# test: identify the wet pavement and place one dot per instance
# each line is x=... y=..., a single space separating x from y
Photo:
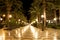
x=31 y=33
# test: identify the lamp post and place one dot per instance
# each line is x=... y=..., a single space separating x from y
x=55 y=20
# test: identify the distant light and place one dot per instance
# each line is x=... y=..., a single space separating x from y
x=18 y=19
x=55 y=19
x=1 y=19
x=10 y=16
x=49 y=21
x=42 y=16
x=4 y=15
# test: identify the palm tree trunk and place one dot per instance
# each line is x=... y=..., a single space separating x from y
x=44 y=4
x=59 y=15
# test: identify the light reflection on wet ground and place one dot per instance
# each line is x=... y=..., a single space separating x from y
x=49 y=34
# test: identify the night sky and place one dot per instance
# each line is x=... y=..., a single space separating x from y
x=26 y=6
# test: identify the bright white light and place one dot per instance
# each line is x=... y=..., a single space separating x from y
x=55 y=19
x=42 y=16
x=10 y=16
x=55 y=36
x=37 y=19
x=4 y=15
x=1 y=19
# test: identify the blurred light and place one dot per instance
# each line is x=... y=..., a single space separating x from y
x=49 y=21
x=4 y=15
x=37 y=19
x=42 y=16
x=19 y=35
x=9 y=33
x=22 y=21
x=55 y=36
x=18 y=19
x=35 y=34
x=1 y=19
x=46 y=34
x=33 y=22
x=1 y=38
x=25 y=28
x=10 y=16
x=55 y=19
x=3 y=35
x=16 y=31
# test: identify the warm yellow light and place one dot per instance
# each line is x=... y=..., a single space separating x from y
x=1 y=19
x=42 y=16
x=19 y=35
x=37 y=19
x=4 y=15
x=55 y=19
x=10 y=16
x=25 y=28
x=35 y=34
x=46 y=34
x=18 y=19
x=1 y=38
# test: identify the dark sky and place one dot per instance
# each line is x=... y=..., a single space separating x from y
x=26 y=5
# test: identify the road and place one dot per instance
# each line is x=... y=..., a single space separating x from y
x=30 y=33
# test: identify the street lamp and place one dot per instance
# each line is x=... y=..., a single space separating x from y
x=42 y=16
x=55 y=19
x=4 y=15
x=19 y=20
x=10 y=16
x=1 y=19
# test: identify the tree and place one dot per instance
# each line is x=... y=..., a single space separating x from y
x=14 y=8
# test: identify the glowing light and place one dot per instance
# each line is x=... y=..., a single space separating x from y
x=46 y=34
x=55 y=19
x=9 y=33
x=19 y=35
x=4 y=15
x=18 y=19
x=10 y=16
x=33 y=22
x=55 y=36
x=37 y=19
x=1 y=19
x=35 y=34
x=1 y=38
x=3 y=35
x=42 y=16
x=25 y=28
x=16 y=31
